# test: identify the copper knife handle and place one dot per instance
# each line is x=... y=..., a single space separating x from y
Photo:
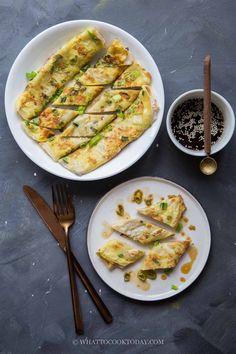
x=45 y=212
x=207 y=104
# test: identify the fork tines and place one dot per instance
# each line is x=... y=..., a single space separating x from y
x=62 y=199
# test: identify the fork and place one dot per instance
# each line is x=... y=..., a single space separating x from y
x=64 y=210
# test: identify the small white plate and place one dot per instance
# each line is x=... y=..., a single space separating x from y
x=34 y=56
x=105 y=212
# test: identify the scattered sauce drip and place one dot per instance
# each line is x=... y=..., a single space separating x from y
x=148 y=199
x=185 y=219
x=188 y=125
x=144 y=285
x=137 y=196
x=192 y=252
x=182 y=279
x=163 y=277
x=192 y=227
x=107 y=230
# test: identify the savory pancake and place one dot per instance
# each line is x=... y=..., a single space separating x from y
x=77 y=134
x=110 y=141
x=101 y=75
x=112 y=100
x=116 y=55
x=77 y=95
x=54 y=118
x=165 y=255
x=133 y=76
x=141 y=231
x=60 y=68
x=37 y=133
x=168 y=211
x=118 y=254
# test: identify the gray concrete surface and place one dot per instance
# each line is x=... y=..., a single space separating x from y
x=35 y=306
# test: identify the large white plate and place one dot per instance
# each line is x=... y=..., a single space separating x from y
x=35 y=54
x=105 y=211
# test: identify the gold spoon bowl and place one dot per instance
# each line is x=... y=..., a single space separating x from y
x=208 y=165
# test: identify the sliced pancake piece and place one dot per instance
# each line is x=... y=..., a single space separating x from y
x=166 y=255
x=77 y=134
x=60 y=68
x=54 y=118
x=77 y=95
x=137 y=118
x=119 y=254
x=168 y=211
x=112 y=100
x=141 y=231
x=116 y=55
x=37 y=133
x=101 y=75
x=133 y=76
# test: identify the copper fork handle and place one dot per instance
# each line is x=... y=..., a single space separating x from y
x=79 y=328
x=107 y=316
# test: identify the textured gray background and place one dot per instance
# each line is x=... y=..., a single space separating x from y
x=35 y=306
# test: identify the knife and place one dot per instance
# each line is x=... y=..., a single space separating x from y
x=49 y=218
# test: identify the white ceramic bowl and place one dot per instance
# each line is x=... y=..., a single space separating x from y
x=34 y=54
x=222 y=104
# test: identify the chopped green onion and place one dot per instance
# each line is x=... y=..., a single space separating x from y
x=150 y=274
x=92 y=35
x=120 y=210
x=120 y=255
x=127 y=276
x=81 y=109
x=168 y=271
x=124 y=138
x=95 y=140
x=31 y=75
x=116 y=98
x=141 y=275
x=163 y=205
x=63 y=99
x=65 y=159
x=85 y=68
x=179 y=227
x=82 y=145
x=137 y=196
x=174 y=287
x=154 y=244
x=120 y=114
x=76 y=124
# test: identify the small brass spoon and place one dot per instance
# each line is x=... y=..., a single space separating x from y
x=208 y=165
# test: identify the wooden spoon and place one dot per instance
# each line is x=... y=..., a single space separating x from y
x=208 y=165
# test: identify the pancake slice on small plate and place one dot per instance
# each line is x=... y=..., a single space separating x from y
x=168 y=211
x=118 y=254
x=141 y=231
x=165 y=255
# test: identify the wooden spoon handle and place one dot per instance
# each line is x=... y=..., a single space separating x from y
x=207 y=104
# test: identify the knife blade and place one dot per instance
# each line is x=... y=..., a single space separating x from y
x=49 y=218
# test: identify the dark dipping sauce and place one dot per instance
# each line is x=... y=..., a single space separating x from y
x=188 y=124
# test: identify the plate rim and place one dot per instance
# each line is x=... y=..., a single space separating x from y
x=73 y=176
x=192 y=280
